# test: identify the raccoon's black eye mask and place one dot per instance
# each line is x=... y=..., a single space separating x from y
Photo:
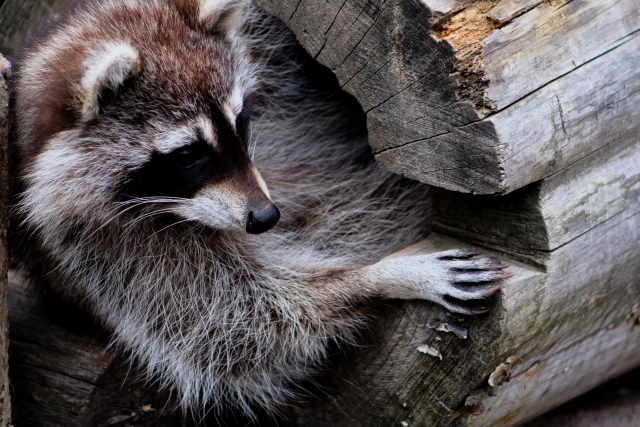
x=184 y=171
x=180 y=173
x=187 y=157
x=242 y=126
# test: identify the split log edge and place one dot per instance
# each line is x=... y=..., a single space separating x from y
x=480 y=96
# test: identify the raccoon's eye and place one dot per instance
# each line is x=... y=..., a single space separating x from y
x=242 y=125
x=186 y=157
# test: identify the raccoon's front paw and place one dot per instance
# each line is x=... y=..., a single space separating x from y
x=469 y=280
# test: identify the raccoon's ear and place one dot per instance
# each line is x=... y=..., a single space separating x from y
x=105 y=71
x=221 y=16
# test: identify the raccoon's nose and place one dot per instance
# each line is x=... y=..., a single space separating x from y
x=261 y=220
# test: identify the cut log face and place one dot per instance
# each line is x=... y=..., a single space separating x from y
x=482 y=96
x=546 y=215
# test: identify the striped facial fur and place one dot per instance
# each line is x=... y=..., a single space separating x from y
x=170 y=138
x=140 y=185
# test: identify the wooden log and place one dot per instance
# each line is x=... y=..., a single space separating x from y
x=388 y=381
x=546 y=215
x=480 y=96
x=5 y=401
x=556 y=333
x=614 y=404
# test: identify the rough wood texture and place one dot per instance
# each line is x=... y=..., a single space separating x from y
x=619 y=411
x=5 y=402
x=570 y=327
x=485 y=96
x=545 y=215
x=614 y=404
x=387 y=381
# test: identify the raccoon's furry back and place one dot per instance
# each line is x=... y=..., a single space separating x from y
x=340 y=203
x=224 y=316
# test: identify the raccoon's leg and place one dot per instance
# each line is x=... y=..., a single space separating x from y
x=456 y=279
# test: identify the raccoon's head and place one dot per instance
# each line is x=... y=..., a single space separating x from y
x=141 y=105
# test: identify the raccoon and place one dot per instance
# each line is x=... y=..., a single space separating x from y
x=152 y=141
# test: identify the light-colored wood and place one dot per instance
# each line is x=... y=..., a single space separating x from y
x=616 y=404
x=582 y=307
x=556 y=377
x=487 y=97
x=440 y=6
x=507 y=10
x=548 y=214
x=583 y=316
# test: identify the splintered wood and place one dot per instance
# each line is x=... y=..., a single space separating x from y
x=484 y=96
x=465 y=28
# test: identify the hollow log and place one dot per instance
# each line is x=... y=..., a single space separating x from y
x=479 y=96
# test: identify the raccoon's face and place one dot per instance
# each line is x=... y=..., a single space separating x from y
x=154 y=116
x=199 y=169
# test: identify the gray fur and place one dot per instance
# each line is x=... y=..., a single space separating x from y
x=223 y=316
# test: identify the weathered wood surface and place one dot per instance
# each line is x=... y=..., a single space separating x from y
x=5 y=401
x=545 y=215
x=614 y=404
x=619 y=411
x=566 y=330
x=483 y=96
x=571 y=327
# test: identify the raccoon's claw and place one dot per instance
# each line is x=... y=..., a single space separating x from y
x=467 y=307
x=472 y=280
